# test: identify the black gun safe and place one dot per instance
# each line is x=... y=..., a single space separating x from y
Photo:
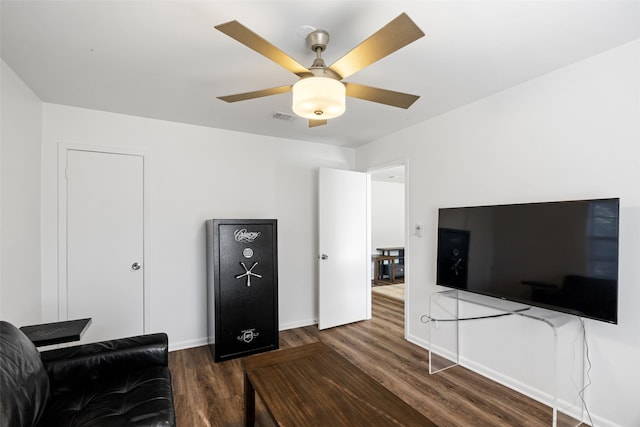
x=242 y=287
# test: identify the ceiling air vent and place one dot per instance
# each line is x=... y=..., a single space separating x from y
x=279 y=115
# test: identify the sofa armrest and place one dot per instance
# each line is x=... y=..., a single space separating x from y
x=95 y=361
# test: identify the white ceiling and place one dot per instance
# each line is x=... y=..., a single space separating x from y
x=165 y=60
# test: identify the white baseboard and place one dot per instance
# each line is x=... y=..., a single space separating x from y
x=532 y=392
x=417 y=341
x=298 y=324
x=182 y=345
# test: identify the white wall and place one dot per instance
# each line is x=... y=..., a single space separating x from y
x=571 y=134
x=21 y=124
x=199 y=173
x=387 y=214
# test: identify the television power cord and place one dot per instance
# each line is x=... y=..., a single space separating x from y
x=427 y=319
x=587 y=375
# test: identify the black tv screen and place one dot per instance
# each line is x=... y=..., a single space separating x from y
x=561 y=256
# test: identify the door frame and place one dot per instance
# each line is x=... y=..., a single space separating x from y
x=63 y=148
x=407 y=231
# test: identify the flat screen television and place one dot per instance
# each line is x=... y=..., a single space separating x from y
x=560 y=256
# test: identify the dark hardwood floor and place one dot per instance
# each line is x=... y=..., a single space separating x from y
x=211 y=394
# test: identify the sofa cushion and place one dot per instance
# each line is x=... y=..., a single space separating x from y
x=94 y=362
x=137 y=398
x=24 y=383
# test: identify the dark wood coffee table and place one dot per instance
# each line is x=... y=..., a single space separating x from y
x=313 y=385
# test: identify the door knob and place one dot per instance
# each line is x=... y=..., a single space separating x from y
x=135 y=266
x=324 y=256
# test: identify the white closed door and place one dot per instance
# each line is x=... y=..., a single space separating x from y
x=344 y=282
x=105 y=218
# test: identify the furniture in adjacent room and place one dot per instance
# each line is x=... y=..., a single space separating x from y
x=314 y=385
x=384 y=271
x=389 y=250
x=388 y=265
x=56 y=332
x=111 y=383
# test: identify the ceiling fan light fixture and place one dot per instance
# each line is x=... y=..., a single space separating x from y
x=319 y=98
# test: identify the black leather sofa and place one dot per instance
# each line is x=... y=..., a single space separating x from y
x=123 y=382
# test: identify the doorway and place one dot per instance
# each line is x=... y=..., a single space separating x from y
x=388 y=232
x=102 y=240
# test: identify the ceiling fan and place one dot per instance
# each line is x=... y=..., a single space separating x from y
x=319 y=95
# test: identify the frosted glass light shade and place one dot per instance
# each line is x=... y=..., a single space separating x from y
x=318 y=98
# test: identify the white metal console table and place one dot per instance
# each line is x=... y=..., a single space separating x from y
x=445 y=307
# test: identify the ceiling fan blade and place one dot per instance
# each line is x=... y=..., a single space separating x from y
x=393 y=36
x=236 y=30
x=382 y=96
x=256 y=94
x=314 y=123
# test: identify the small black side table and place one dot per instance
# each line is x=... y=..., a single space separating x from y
x=56 y=332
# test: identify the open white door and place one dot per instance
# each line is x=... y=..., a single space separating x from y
x=344 y=259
